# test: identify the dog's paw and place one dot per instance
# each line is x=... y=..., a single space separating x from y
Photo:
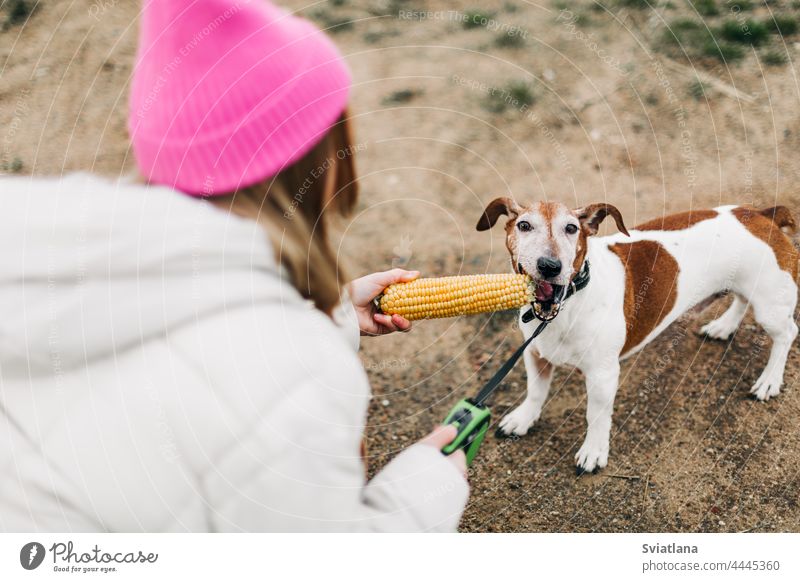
x=718 y=329
x=518 y=421
x=591 y=458
x=767 y=386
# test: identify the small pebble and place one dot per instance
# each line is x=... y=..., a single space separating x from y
x=385 y=402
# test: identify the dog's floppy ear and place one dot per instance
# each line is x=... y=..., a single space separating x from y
x=493 y=211
x=591 y=216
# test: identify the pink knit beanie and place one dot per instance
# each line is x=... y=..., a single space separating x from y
x=227 y=93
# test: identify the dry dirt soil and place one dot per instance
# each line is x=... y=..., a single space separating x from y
x=528 y=100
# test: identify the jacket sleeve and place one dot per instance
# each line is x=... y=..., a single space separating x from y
x=315 y=480
x=423 y=485
x=291 y=461
x=274 y=431
x=344 y=315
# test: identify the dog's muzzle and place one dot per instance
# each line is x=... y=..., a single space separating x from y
x=549 y=297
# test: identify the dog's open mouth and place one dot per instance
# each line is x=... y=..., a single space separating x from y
x=547 y=294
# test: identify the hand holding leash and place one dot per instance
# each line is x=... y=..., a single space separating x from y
x=442 y=437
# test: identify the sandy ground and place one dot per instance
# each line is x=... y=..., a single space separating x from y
x=604 y=117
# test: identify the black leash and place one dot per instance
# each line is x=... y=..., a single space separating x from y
x=495 y=380
x=579 y=282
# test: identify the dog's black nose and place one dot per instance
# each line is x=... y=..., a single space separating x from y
x=548 y=267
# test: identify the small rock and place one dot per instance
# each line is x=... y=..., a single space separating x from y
x=385 y=402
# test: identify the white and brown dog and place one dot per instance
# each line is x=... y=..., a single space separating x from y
x=641 y=281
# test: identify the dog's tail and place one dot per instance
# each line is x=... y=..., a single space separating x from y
x=782 y=218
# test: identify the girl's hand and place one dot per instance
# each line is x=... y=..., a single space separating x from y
x=444 y=435
x=364 y=290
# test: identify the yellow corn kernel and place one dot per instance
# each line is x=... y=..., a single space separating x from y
x=460 y=295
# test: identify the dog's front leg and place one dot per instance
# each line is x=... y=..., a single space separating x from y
x=540 y=374
x=601 y=387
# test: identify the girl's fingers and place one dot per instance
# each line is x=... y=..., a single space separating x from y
x=385 y=321
x=386 y=278
x=401 y=323
x=408 y=276
x=392 y=322
x=441 y=436
x=382 y=319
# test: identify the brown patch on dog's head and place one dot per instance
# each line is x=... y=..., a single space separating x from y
x=498 y=207
x=547 y=240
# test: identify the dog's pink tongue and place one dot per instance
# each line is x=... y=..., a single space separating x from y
x=544 y=291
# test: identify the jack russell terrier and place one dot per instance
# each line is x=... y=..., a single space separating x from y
x=641 y=281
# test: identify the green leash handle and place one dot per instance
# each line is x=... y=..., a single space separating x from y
x=471 y=416
x=472 y=421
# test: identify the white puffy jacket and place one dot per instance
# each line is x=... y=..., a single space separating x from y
x=158 y=373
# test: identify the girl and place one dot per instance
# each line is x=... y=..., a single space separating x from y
x=180 y=356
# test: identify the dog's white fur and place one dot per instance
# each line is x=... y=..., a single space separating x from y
x=713 y=255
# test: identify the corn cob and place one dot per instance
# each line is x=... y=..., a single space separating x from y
x=452 y=296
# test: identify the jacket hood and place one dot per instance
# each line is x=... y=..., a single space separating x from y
x=90 y=267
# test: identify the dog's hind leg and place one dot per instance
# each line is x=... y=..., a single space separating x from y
x=774 y=311
x=540 y=374
x=723 y=327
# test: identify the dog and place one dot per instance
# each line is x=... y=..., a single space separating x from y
x=640 y=281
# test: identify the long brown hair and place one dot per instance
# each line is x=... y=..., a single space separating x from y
x=294 y=208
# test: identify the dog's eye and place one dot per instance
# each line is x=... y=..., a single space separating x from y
x=524 y=226
x=571 y=229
